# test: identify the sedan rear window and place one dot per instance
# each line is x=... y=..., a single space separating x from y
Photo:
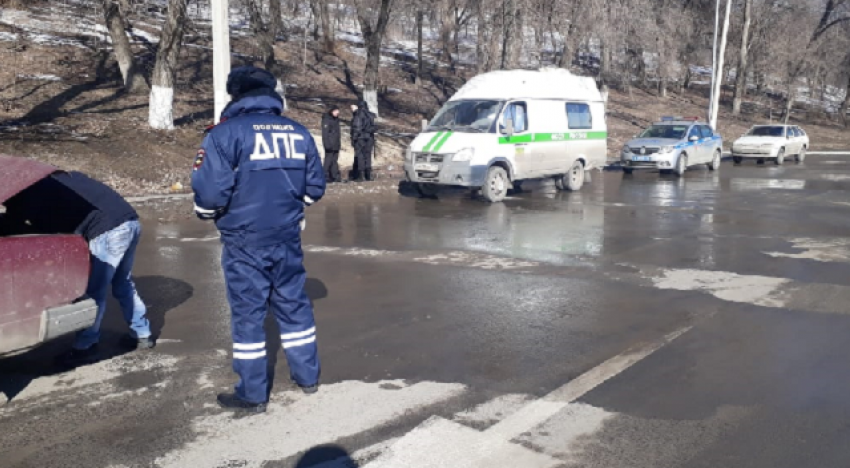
x=767 y=131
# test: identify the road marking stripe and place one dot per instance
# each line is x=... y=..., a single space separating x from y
x=539 y=411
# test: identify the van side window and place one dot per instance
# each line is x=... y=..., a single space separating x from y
x=706 y=131
x=579 y=116
x=518 y=112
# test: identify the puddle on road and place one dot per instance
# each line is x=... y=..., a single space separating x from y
x=747 y=185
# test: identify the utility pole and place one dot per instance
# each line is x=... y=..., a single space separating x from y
x=221 y=54
x=714 y=58
x=718 y=75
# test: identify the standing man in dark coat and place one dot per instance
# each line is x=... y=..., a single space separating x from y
x=363 y=139
x=332 y=141
x=254 y=175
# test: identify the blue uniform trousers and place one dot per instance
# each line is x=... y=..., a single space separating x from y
x=259 y=279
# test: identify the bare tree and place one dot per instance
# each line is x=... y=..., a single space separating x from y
x=164 y=72
x=743 y=56
x=328 y=37
x=373 y=30
x=115 y=22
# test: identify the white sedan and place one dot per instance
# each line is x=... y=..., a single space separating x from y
x=775 y=142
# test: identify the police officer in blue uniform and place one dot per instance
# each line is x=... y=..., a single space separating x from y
x=254 y=175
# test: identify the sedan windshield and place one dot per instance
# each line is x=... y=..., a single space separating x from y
x=466 y=116
x=673 y=132
x=767 y=131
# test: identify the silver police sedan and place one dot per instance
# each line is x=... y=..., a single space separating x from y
x=673 y=144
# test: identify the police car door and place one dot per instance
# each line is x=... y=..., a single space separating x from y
x=519 y=144
x=695 y=147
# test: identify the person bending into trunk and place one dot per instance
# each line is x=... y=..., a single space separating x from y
x=71 y=202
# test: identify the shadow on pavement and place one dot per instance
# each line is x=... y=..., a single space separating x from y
x=327 y=456
x=160 y=295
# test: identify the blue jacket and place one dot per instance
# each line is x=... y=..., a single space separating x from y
x=255 y=173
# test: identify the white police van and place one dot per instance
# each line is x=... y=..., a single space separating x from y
x=507 y=126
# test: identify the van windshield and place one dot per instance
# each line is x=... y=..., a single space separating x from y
x=466 y=116
x=673 y=132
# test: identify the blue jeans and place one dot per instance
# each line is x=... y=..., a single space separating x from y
x=112 y=255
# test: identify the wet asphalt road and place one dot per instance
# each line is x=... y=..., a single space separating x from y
x=646 y=321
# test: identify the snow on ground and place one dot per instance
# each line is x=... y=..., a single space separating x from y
x=39 y=77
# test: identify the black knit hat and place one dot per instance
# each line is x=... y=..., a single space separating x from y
x=246 y=79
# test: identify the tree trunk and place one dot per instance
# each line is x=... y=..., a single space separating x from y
x=133 y=81
x=162 y=92
x=316 y=9
x=566 y=54
x=446 y=26
x=275 y=20
x=374 y=38
x=508 y=39
x=263 y=32
x=789 y=102
x=845 y=105
x=328 y=36
x=605 y=59
x=743 y=59
x=419 y=62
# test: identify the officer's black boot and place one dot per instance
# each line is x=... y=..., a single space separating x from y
x=369 y=175
x=230 y=401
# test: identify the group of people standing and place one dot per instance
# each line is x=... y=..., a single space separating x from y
x=362 y=139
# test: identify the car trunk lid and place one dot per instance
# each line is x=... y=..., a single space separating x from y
x=19 y=173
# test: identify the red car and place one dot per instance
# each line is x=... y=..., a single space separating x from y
x=43 y=276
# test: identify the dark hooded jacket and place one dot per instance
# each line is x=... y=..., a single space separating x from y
x=362 y=124
x=256 y=170
x=331 y=133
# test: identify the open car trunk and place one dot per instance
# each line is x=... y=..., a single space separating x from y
x=43 y=276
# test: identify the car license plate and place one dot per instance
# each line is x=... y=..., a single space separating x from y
x=427 y=167
x=641 y=158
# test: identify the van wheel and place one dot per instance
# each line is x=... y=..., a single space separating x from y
x=495 y=185
x=737 y=159
x=780 y=157
x=574 y=179
x=628 y=171
x=681 y=165
x=427 y=190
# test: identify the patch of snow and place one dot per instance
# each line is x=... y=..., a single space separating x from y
x=40 y=77
x=6 y=36
x=349 y=37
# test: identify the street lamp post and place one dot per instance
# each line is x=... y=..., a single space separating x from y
x=221 y=54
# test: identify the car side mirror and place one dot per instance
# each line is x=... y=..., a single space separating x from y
x=424 y=124
x=509 y=126
x=694 y=138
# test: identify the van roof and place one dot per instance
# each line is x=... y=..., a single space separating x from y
x=547 y=83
